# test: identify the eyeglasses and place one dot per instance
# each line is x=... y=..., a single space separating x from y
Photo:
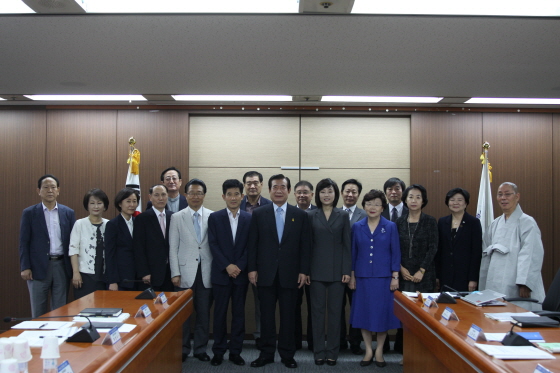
x=507 y=195
x=169 y=178
x=371 y=204
x=303 y=193
x=198 y=194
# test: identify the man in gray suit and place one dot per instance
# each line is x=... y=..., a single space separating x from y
x=351 y=190
x=191 y=262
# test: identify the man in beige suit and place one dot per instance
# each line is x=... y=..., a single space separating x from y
x=191 y=262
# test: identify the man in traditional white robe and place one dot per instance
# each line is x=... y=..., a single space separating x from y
x=513 y=252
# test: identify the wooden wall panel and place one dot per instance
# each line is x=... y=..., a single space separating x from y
x=445 y=150
x=22 y=150
x=163 y=140
x=521 y=152
x=81 y=154
x=555 y=186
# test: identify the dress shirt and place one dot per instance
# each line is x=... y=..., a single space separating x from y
x=233 y=222
x=83 y=242
x=53 y=226
x=284 y=207
x=129 y=224
x=351 y=212
x=249 y=208
x=157 y=214
x=173 y=203
x=399 y=208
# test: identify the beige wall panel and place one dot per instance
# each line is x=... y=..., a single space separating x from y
x=234 y=141
x=342 y=142
x=215 y=177
x=370 y=178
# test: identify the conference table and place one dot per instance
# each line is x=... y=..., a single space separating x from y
x=433 y=344
x=154 y=345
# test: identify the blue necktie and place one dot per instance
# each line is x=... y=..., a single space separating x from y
x=279 y=223
x=197 y=226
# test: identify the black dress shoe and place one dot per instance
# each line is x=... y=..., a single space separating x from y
x=319 y=361
x=330 y=362
x=289 y=363
x=202 y=357
x=365 y=363
x=380 y=364
x=217 y=360
x=356 y=349
x=236 y=359
x=184 y=357
x=262 y=361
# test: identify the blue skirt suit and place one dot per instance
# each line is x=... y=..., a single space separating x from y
x=375 y=256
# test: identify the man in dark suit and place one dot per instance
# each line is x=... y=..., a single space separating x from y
x=351 y=190
x=303 y=192
x=43 y=248
x=279 y=259
x=151 y=242
x=253 y=182
x=394 y=188
x=171 y=178
x=228 y=232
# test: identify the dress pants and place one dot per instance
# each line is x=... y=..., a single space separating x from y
x=202 y=299
x=56 y=281
x=354 y=334
x=222 y=295
x=326 y=295
x=257 y=332
x=286 y=298
x=299 y=327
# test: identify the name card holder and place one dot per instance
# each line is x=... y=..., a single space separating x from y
x=430 y=303
x=65 y=367
x=112 y=337
x=476 y=334
x=449 y=314
x=143 y=311
x=540 y=369
x=161 y=299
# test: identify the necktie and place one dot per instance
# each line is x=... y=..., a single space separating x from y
x=394 y=215
x=162 y=223
x=349 y=214
x=279 y=223
x=197 y=226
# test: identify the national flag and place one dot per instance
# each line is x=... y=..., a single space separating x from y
x=133 y=174
x=485 y=209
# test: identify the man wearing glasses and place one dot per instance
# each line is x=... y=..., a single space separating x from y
x=171 y=178
x=513 y=252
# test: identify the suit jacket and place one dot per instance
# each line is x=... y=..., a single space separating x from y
x=358 y=215
x=151 y=249
x=330 y=242
x=264 y=202
x=182 y=203
x=458 y=260
x=184 y=250
x=119 y=253
x=34 y=241
x=287 y=258
x=377 y=254
x=387 y=212
x=224 y=250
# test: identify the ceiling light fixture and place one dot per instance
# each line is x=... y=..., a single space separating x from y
x=382 y=99
x=261 y=98
x=514 y=101
x=86 y=97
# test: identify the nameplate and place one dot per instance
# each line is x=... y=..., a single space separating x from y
x=449 y=314
x=161 y=299
x=143 y=311
x=540 y=369
x=476 y=334
x=65 y=367
x=430 y=302
x=112 y=337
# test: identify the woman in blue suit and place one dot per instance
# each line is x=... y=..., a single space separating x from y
x=376 y=261
x=119 y=254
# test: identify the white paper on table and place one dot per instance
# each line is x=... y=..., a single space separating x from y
x=120 y=318
x=410 y=294
x=125 y=328
x=35 y=337
x=43 y=325
x=506 y=316
x=514 y=352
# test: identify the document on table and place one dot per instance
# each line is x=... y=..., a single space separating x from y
x=125 y=328
x=506 y=316
x=35 y=337
x=120 y=318
x=425 y=295
x=514 y=352
x=43 y=325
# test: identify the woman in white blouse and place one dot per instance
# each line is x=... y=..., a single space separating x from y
x=86 y=246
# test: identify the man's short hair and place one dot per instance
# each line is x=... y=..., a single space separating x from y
x=251 y=174
x=514 y=187
x=157 y=185
x=391 y=183
x=325 y=183
x=97 y=193
x=124 y=194
x=230 y=184
x=195 y=182
x=304 y=183
x=170 y=169
x=352 y=181
x=422 y=191
x=46 y=177
x=279 y=177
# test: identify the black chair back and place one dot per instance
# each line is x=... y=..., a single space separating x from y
x=552 y=300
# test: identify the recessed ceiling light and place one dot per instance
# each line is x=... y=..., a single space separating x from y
x=514 y=101
x=382 y=99
x=86 y=97
x=231 y=98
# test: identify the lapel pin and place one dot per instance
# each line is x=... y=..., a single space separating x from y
x=292 y=219
x=382 y=230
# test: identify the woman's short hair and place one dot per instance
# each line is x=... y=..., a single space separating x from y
x=421 y=189
x=97 y=193
x=326 y=183
x=460 y=191
x=124 y=194
x=374 y=194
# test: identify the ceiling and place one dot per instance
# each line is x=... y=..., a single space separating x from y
x=291 y=54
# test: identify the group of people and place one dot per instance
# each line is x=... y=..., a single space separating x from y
x=328 y=253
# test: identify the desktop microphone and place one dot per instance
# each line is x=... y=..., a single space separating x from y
x=149 y=293
x=86 y=334
x=446 y=298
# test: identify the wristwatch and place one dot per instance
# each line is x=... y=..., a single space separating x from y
x=395 y=277
x=422 y=270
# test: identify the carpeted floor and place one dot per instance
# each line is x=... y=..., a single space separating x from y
x=347 y=362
